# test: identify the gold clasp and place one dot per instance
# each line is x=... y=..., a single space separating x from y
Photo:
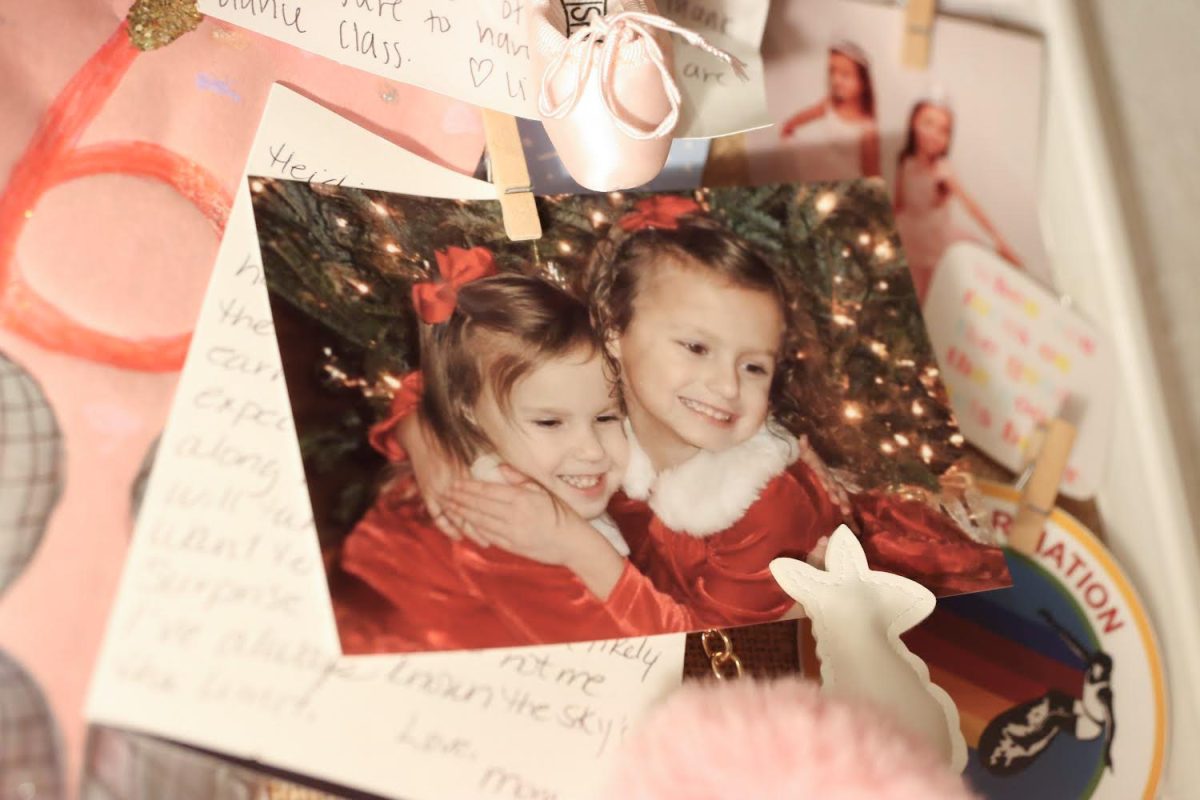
x=719 y=650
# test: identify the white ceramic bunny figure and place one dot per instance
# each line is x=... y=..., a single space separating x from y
x=857 y=616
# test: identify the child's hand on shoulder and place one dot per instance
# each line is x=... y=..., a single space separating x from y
x=520 y=517
x=434 y=469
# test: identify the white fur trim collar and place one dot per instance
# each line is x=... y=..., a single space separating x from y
x=711 y=490
x=639 y=473
x=487 y=469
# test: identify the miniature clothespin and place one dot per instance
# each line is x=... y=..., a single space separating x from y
x=507 y=169
x=1040 y=481
x=918 y=28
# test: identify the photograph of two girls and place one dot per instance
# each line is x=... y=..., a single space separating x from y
x=610 y=431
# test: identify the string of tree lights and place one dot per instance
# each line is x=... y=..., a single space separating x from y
x=869 y=389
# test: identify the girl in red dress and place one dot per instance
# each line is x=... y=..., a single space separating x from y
x=695 y=322
x=700 y=328
x=514 y=375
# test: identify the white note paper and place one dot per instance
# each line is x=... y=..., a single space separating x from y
x=1012 y=356
x=222 y=634
x=479 y=51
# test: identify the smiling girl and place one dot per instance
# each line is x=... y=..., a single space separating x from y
x=847 y=115
x=698 y=327
x=702 y=332
x=513 y=375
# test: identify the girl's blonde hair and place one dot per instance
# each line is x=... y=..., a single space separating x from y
x=501 y=329
x=707 y=248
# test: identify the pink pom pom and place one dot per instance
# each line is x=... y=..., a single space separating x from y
x=782 y=739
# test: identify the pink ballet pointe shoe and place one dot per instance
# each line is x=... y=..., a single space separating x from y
x=608 y=96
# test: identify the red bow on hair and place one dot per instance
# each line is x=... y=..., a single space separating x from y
x=661 y=212
x=435 y=300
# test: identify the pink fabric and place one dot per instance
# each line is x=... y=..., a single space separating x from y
x=576 y=110
x=609 y=35
x=403 y=586
x=744 y=738
x=120 y=261
x=925 y=222
x=724 y=578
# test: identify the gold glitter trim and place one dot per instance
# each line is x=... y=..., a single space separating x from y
x=157 y=23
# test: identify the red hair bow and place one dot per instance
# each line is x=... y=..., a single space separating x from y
x=435 y=300
x=661 y=212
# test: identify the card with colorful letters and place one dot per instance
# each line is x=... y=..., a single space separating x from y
x=1012 y=355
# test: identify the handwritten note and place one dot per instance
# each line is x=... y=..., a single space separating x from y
x=222 y=634
x=479 y=52
x=1011 y=355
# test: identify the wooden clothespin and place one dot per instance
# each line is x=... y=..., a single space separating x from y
x=1039 y=484
x=507 y=168
x=918 y=28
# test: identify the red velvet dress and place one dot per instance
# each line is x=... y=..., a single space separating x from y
x=718 y=564
x=704 y=540
x=909 y=538
x=724 y=577
x=405 y=586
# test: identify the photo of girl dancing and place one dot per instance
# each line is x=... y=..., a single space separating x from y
x=613 y=454
x=926 y=190
x=846 y=114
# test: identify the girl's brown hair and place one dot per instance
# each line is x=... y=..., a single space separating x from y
x=910 y=143
x=867 y=99
x=502 y=327
x=705 y=247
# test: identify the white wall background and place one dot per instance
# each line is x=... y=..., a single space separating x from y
x=993 y=79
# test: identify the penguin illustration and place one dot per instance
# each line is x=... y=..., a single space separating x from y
x=1017 y=737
